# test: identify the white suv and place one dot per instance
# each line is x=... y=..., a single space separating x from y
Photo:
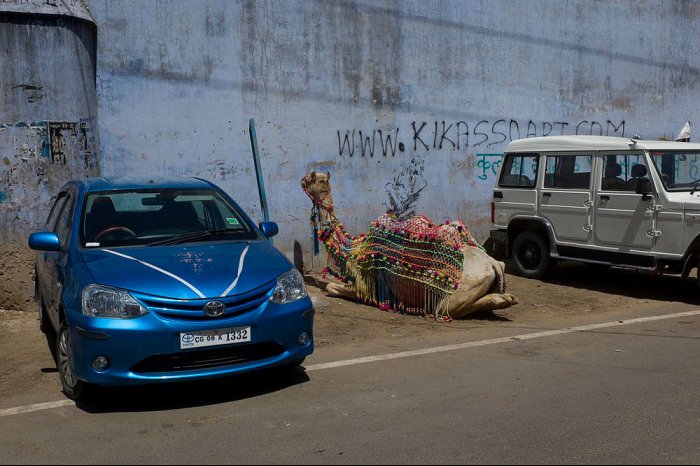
x=603 y=200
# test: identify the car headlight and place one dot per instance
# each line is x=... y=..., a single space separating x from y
x=290 y=287
x=103 y=301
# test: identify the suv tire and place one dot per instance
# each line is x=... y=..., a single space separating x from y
x=531 y=254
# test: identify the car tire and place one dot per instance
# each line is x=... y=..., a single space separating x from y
x=531 y=255
x=74 y=388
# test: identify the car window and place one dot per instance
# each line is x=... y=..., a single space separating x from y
x=519 y=171
x=148 y=216
x=65 y=220
x=55 y=211
x=618 y=172
x=568 y=171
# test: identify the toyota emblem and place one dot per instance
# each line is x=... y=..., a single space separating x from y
x=214 y=308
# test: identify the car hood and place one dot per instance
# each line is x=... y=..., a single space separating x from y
x=192 y=271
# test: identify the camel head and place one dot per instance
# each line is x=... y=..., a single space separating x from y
x=318 y=187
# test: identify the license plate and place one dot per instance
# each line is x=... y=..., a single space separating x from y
x=217 y=337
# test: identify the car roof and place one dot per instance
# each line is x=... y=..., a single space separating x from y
x=130 y=182
x=594 y=143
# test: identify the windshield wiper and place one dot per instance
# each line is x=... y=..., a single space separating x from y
x=188 y=237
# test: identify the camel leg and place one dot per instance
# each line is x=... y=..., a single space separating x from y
x=489 y=302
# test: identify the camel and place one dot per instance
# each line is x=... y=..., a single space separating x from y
x=447 y=274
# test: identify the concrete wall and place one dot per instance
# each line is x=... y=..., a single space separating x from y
x=48 y=117
x=392 y=98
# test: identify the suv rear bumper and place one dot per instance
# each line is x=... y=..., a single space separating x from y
x=499 y=237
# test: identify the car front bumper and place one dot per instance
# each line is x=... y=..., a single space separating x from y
x=147 y=349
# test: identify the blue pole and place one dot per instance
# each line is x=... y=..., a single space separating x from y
x=258 y=171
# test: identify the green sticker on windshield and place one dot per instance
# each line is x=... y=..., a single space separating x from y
x=232 y=221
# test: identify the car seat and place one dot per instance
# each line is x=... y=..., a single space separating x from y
x=611 y=180
x=102 y=215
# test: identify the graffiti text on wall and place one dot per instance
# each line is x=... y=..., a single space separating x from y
x=461 y=135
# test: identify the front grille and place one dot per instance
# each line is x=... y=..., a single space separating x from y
x=208 y=359
x=193 y=309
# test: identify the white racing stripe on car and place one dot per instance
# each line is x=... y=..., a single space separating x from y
x=406 y=354
x=240 y=269
x=172 y=275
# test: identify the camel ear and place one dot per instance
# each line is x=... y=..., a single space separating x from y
x=328 y=174
x=308 y=179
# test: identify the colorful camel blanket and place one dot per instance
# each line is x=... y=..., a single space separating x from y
x=410 y=266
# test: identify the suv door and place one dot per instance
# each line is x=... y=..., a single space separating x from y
x=515 y=193
x=566 y=196
x=622 y=217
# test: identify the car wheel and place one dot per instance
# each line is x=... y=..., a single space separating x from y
x=531 y=255
x=73 y=388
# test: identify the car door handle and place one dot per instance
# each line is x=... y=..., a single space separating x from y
x=546 y=194
x=604 y=198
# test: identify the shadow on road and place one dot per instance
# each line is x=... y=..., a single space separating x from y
x=625 y=282
x=178 y=395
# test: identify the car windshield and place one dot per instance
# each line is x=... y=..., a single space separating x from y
x=160 y=217
x=679 y=170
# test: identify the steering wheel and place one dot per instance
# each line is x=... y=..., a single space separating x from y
x=113 y=229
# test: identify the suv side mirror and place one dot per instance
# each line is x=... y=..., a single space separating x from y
x=643 y=187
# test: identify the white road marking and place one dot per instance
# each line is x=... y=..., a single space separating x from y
x=493 y=341
x=36 y=407
x=408 y=354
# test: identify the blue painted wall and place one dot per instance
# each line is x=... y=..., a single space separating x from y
x=391 y=98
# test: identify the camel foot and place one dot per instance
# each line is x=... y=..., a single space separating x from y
x=340 y=291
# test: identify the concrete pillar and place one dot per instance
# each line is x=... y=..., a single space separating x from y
x=48 y=124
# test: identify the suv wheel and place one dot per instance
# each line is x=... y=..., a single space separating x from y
x=73 y=388
x=531 y=255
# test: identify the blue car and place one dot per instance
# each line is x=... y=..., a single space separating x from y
x=157 y=280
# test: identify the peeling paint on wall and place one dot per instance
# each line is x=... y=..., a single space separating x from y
x=33 y=153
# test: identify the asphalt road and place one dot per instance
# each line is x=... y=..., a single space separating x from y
x=613 y=390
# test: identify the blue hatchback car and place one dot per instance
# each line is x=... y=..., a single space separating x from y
x=156 y=280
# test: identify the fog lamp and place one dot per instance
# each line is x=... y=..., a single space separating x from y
x=304 y=339
x=100 y=363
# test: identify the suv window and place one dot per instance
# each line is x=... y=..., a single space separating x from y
x=568 y=171
x=617 y=172
x=519 y=171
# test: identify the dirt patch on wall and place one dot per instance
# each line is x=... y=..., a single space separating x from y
x=16 y=277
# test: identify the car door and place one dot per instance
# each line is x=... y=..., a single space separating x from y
x=55 y=261
x=566 y=196
x=623 y=218
x=44 y=278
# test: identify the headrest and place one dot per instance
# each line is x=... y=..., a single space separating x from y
x=103 y=206
x=613 y=170
x=639 y=171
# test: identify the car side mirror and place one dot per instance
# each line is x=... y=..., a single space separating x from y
x=44 y=241
x=269 y=229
